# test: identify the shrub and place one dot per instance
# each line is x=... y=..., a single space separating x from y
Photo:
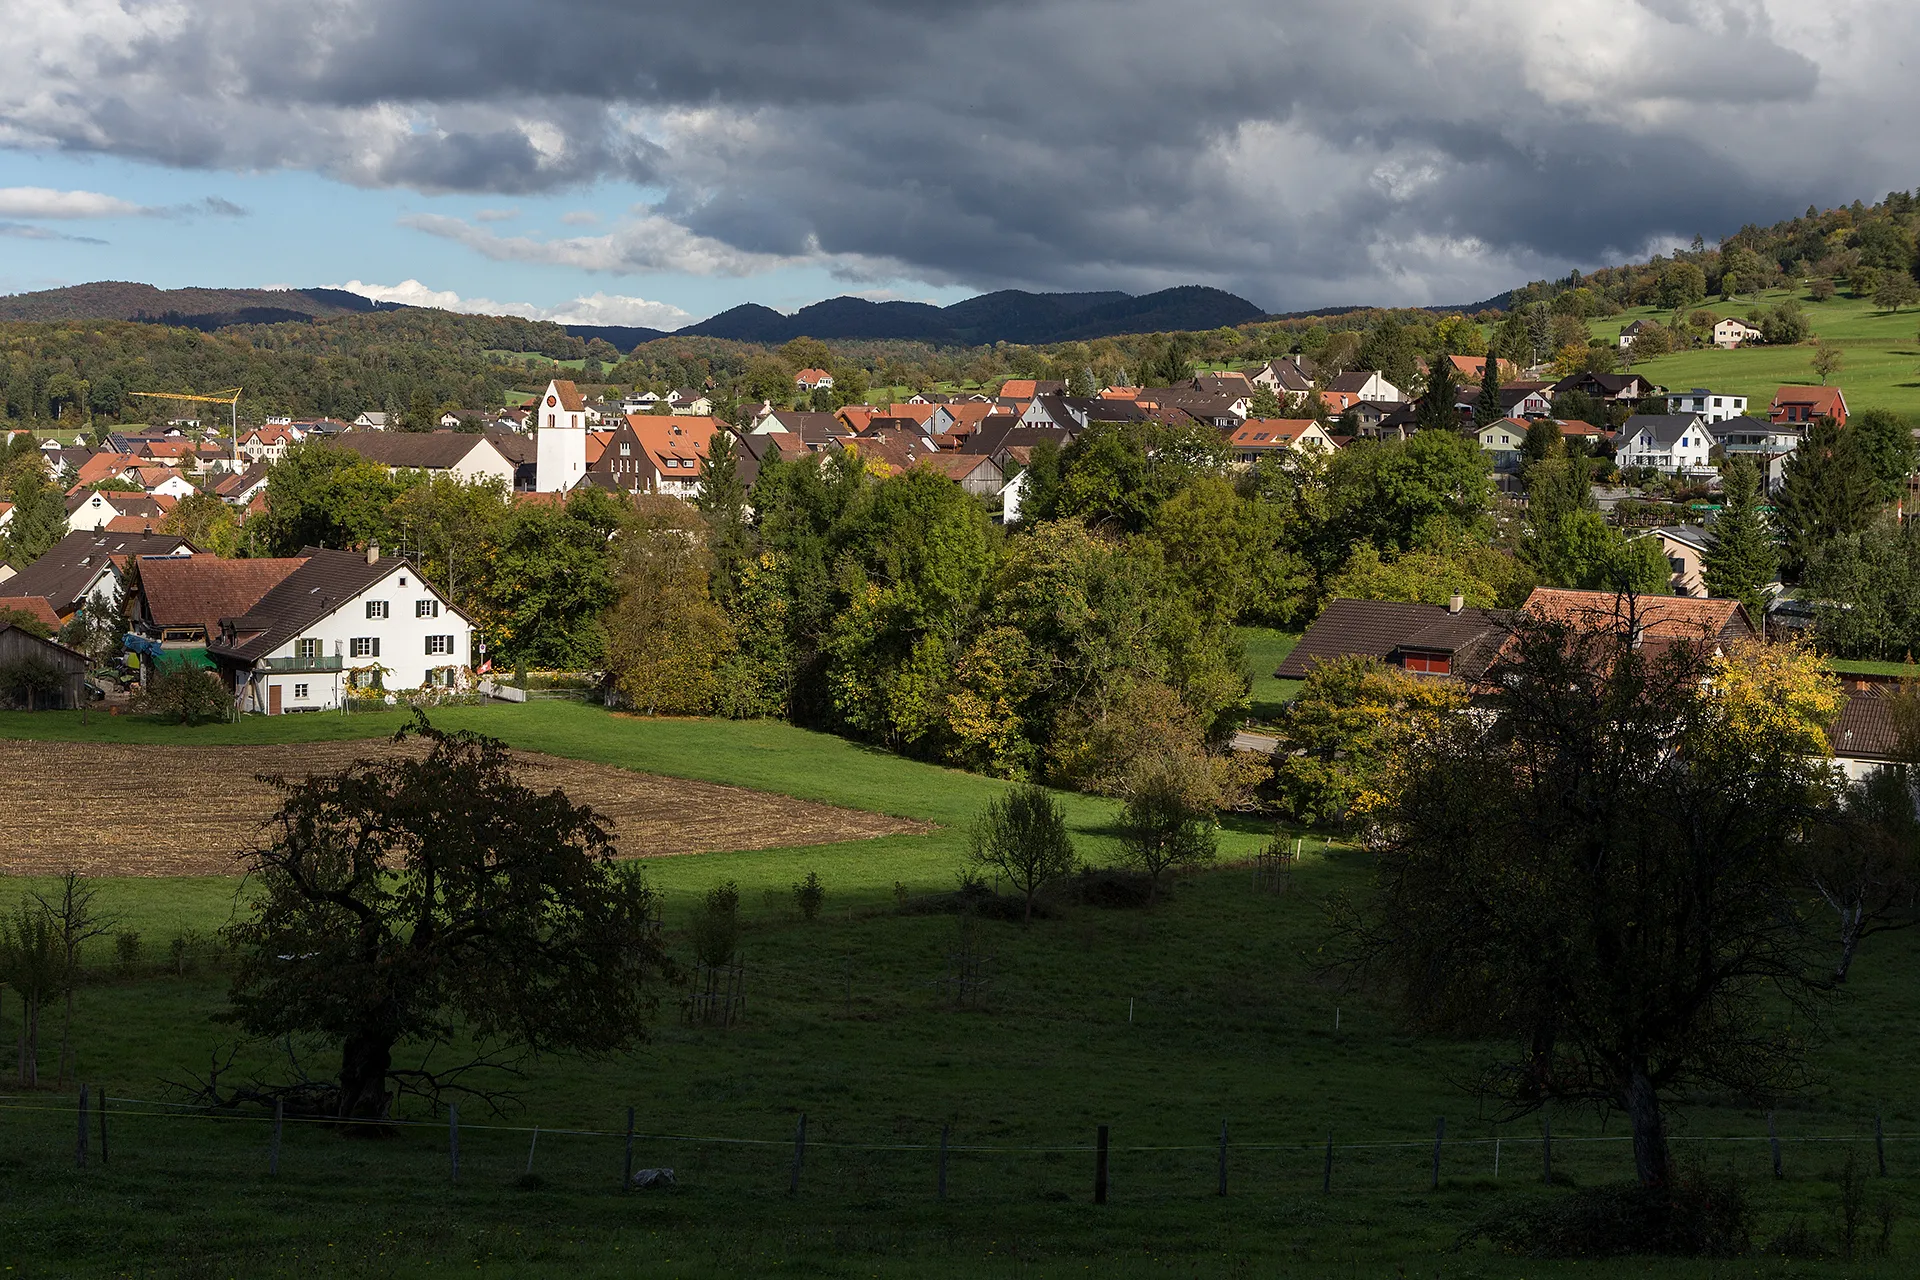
x=180 y=694
x=810 y=895
x=1698 y=1215
x=1821 y=290
x=126 y=950
x=716 y=926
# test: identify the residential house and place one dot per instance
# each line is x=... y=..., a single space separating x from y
x=1223 y=411
x=342 y=619
x=813 y=380
x=1685 y=547
x=1289 y=375
x=1731 y=333
x=1865 y=736
x=695 y=404
x=1769 y=444
x=241 y=488
x=1527 y=400
x=1365 y=384
x=814 y=430
x=178 y=601
x=1713 y=406
x=97 y=508
x=1258 y=438
x=1229 y=383
x=1655 y=618
x=655 y=454
x=372 y=420
x=1469 y=370
x=460 y=454
x=1502 y=440
x=638 y=402
x=891 y=450
x=21 y=646
x=1631 y=332
x=1427 y=639
x=1024 y=389
x=90 y=568
x=1613 y=388
x=1675 y=443
x=1808 y=404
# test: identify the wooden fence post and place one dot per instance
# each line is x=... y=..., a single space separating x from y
x=626 y=1177
x=80 y=1148
x=1223 y=1158
x=453 y=1137
x=1773 y=1142
x=1326 y=1178
x=273 y=1148
x=946 y=1130
x=1880 y=1143
x=1100 y=1165
x=1439 y=1136
x=100 y=1105
x=1546 y=1152
x=799 y=1154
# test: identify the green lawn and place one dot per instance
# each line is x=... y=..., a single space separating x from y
x=521 y=358
x=1881 y=350
x=1266 y=648
x=1867 y=667
x=1162 y=1024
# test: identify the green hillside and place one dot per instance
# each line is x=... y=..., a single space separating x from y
x=1881 y=349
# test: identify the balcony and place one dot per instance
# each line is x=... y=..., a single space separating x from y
x=322 y=663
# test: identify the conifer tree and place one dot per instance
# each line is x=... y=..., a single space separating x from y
x=1742 y=559
x=1828 y=492
x=1487 y=409
x=1436 y=406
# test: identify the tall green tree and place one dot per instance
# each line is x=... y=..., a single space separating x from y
x=320 y=495
x=1437 y=406
x=723 y=500
x=1885 y=442
x=543 y=595
x=1742 y=558
x=1828 y=490
x=39 y=517
x=1487 y=408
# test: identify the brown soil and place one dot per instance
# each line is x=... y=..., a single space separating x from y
x=170 y=811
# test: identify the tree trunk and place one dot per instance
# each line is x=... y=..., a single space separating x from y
x=66 y=1034
x=1850 y=925
x=1652 y=1161
x=364 y=1062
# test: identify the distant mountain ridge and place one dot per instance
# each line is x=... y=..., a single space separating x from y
x=1010 y=315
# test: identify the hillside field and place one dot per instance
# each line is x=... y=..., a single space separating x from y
x=1163 y=1024
x=1881 y=368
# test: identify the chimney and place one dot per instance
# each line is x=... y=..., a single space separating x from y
x=373 y=553
x=1456 y=603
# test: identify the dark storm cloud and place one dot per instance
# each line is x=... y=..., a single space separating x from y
x=1302 y=152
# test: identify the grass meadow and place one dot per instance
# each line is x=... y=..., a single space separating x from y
x=1881 y=353
x=1213 y=1007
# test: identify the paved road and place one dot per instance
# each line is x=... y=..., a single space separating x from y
x=1245 y=741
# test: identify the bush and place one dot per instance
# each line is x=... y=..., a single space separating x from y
x=33 y=683
x=716 y=926
x=126 y=951
x=810 y=895
x=180 y=694
x=1699 y=1215
x=1821 y=290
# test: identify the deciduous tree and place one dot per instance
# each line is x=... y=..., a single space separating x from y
x=1022 y=835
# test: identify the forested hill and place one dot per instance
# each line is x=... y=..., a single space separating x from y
x=1010 y=315
x=1859 y=243
x=188 y=308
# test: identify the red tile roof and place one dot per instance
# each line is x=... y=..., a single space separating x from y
x=34 y=606
x=1269 y=433
x=570 y=398
x=1673 y=617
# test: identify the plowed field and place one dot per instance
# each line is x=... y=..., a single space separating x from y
x=171 y=811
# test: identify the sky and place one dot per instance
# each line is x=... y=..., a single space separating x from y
x=604 y=161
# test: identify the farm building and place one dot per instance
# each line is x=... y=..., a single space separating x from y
x=39 y=675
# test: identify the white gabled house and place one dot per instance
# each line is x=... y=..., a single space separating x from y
x=342 y=620
x=1676 y=443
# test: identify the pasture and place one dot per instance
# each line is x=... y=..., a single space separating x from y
x=1214 y=1006
x=1880 y=368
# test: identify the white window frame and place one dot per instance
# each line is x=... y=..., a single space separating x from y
x=377 y=611
x=426 y=608
x=363 y=647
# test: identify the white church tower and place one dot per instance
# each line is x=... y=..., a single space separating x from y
x=562 y=439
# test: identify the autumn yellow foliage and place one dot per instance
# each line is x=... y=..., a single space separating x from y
x=1778 y=695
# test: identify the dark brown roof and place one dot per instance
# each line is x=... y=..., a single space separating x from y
x=325 y=581
x=1382 y=628
x=198 y=591
x=514 y=447
x=70 y=566
x=421 y=450
x=241 y=481
x=1865 y=729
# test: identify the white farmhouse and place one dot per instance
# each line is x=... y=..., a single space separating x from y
x=1676 y=443
x=342 y=619
x=464 y=456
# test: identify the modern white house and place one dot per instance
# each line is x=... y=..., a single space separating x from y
x=561 y=438
x=342 y=620
x=1676 y=443
x=1769 y=444
x=1714 y=406
x=1731 y=333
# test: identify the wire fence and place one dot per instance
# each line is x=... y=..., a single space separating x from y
x=836 y=1158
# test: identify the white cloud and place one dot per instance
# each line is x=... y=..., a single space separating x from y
x=594 y=308
x=580 y=218
x=45 y=202
x=496 y=215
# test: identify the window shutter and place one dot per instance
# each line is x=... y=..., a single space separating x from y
x=376 y=646
x=430 y=640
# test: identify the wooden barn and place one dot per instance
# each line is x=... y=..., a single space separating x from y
x=39 y=675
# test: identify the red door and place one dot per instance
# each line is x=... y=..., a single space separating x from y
x=273 y=699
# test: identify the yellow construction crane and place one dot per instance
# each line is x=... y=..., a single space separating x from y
x=230 y=397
